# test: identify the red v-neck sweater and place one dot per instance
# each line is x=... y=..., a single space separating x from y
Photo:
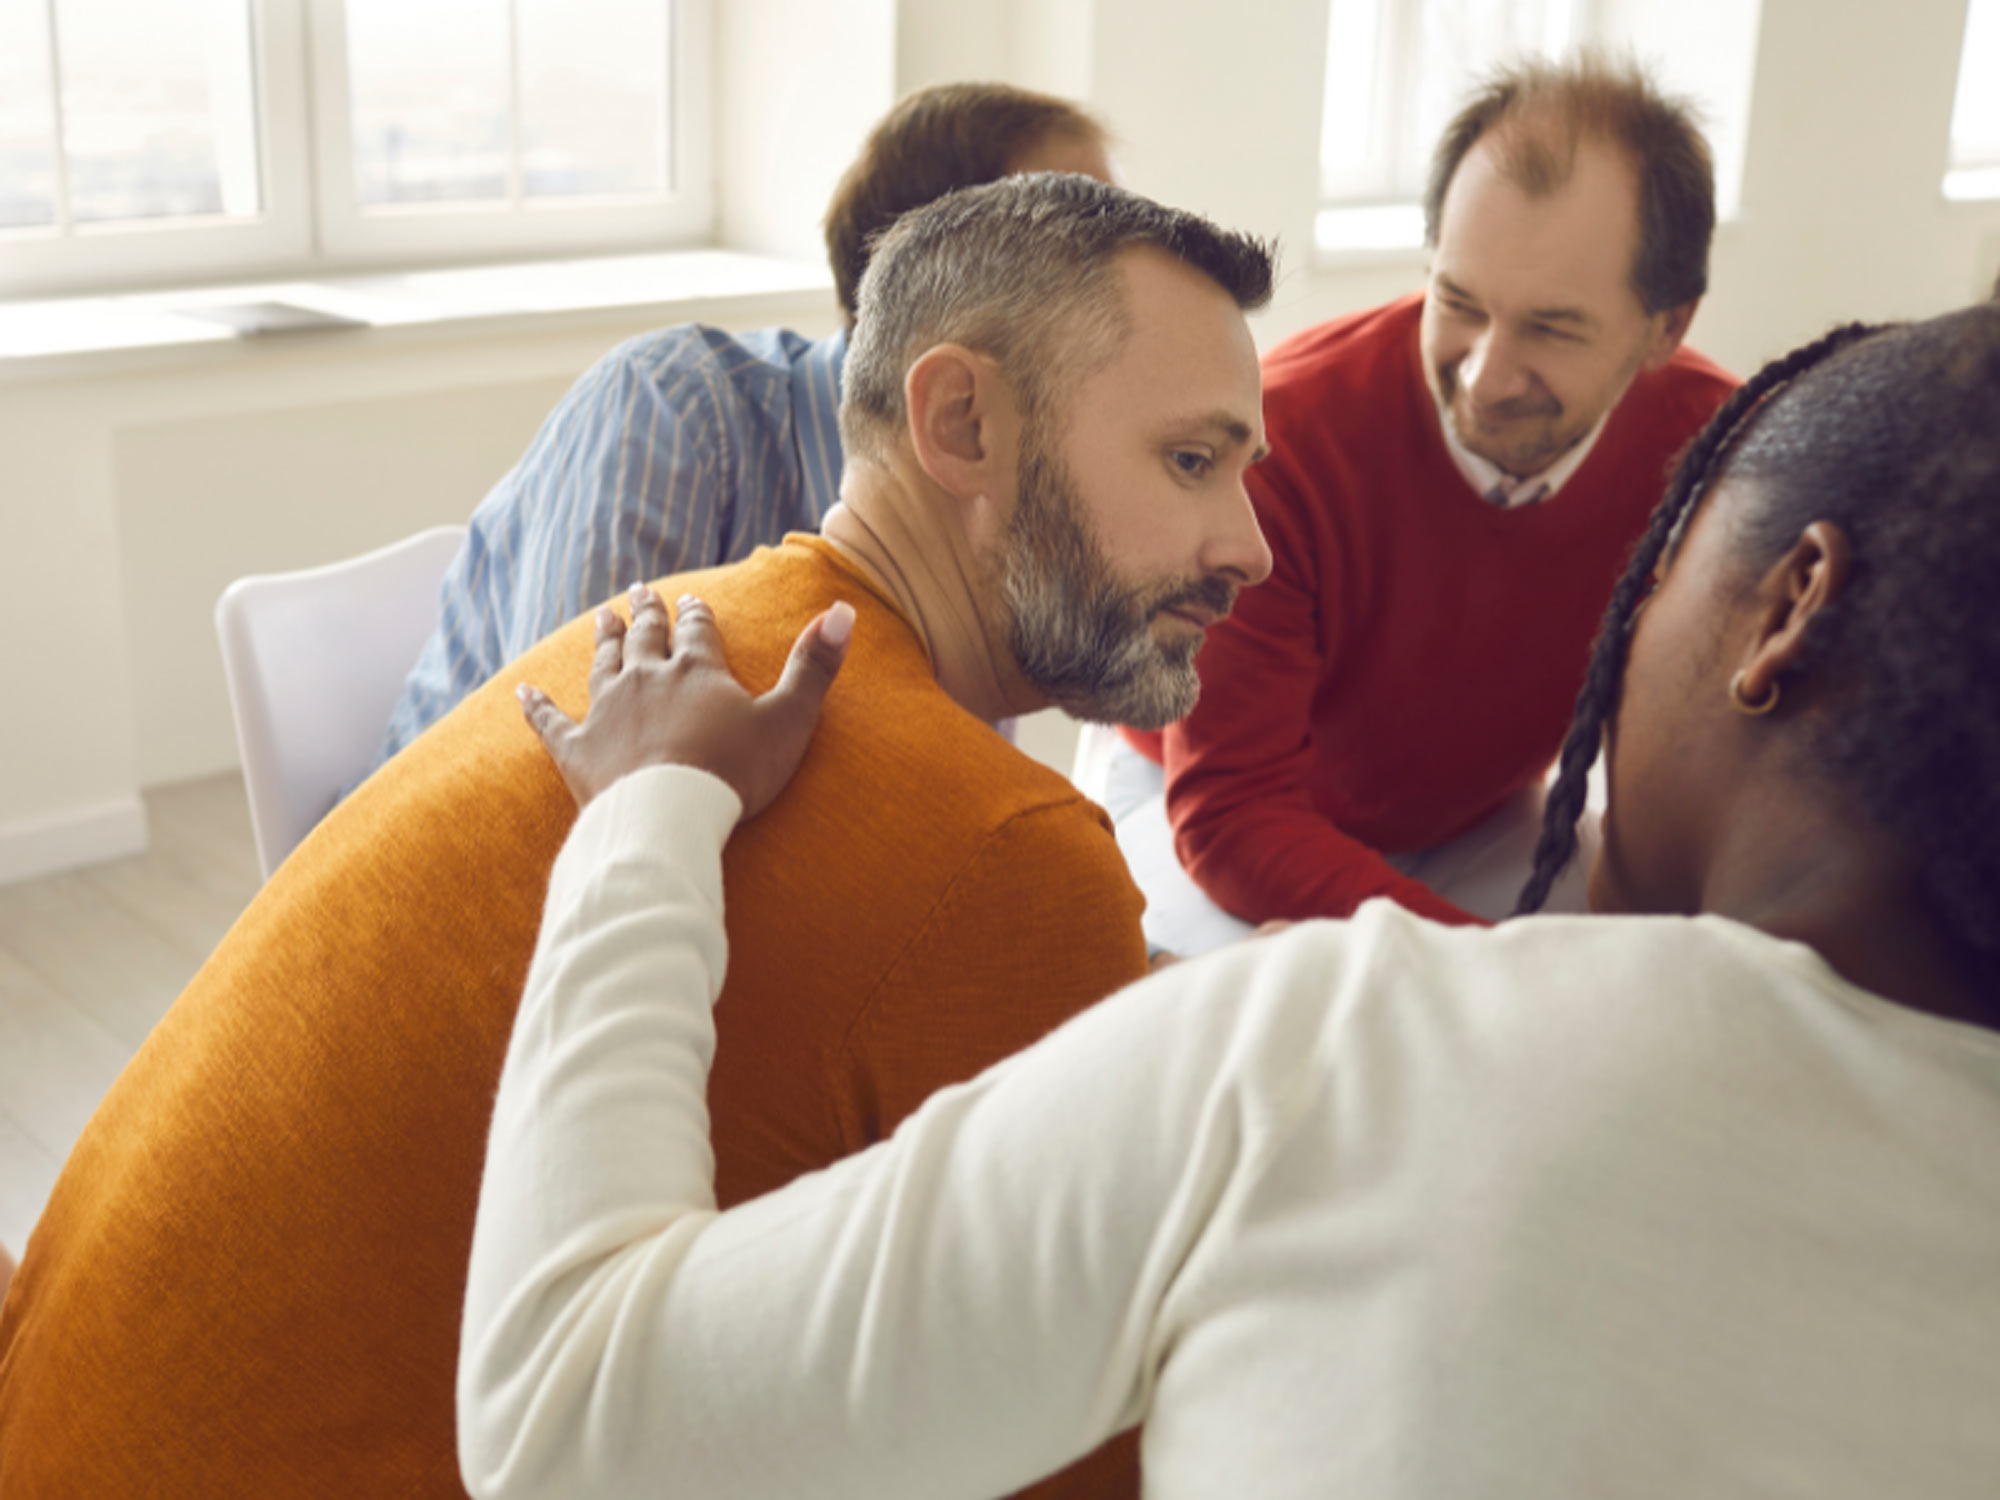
x=1414 y=659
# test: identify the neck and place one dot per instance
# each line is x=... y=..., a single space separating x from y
x=1836 y=883
x=911 y=540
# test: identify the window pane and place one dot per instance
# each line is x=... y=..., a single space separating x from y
x=1397 y=70
x=1460 y=40
x=1429 y=52
x=593 y=96
x=1975 y=118
x=159 y=112
x=1705 y=51
x=1347 y=131
x=429 y=88
x=27 y=117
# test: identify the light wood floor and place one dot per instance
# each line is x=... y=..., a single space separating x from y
x=90 y=960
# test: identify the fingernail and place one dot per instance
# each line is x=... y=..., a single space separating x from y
x=523 y=691
x=685 y=600
x=605 y=616
x=838 y=624
x=638 y=591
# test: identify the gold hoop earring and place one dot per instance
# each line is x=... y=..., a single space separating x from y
x=1743 y=705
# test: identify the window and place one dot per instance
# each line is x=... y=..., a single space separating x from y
x=1397 y=69
x=134 y=143
x=471 y=125
x=1975 y=117
x=143 y=142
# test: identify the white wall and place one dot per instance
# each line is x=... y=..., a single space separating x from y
x=133 y=489
x=798 y=83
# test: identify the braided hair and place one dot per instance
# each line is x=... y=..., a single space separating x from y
x=1597 y=700
x=1894 y=436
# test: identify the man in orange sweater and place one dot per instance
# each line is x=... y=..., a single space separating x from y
x=1455 y=482
x=249 y=1277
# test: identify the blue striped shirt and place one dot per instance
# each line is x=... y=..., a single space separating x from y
x=679 y=449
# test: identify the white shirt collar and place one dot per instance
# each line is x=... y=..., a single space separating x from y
x=1496 y=486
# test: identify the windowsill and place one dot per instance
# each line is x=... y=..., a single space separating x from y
x=1374 y=234
x=91 y=335
x=1972 y=184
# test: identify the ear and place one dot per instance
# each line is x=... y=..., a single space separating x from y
x=1667 y=335
x=1806 y=581
x=957 y=407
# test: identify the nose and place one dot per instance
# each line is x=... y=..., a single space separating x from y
x=1236 y=547
x=1491 y=371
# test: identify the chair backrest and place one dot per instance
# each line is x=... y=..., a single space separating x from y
x=316 y=660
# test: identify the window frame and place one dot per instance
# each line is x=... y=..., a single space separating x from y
x=77 y=258
x=351 y=235
x=311 y=222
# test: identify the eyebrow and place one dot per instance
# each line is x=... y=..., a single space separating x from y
x=1574 y=316
x=1233 y=428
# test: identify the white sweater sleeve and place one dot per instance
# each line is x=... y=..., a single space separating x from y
x=958 y=1311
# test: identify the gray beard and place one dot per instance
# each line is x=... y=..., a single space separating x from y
x=1080 y=637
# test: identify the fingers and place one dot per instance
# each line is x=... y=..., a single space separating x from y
x=699 y=640
x=649 y=637
x=814 y=662
x=610 y=651
x=551 y=725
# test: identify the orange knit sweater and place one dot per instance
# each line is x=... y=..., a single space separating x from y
x=249 y=1277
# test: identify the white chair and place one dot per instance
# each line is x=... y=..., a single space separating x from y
x=316 y=660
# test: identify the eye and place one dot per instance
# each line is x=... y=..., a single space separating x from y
x=1551 y=332
x=1190 y=463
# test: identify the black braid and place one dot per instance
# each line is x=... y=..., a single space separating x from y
x=1597 y=700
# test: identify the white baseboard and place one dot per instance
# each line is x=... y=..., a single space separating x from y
x=78 y=836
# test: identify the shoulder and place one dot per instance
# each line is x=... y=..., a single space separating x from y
x=1682 y=394
x=1348 y=352
x=1337 y=393
x=1540 y=996
x=697 y=356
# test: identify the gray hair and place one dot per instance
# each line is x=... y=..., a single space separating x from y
x=1023 y=270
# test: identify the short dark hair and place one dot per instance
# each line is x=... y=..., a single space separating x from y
x=1893 y=435
x=1546 y=109
x=1022 y=270
x=952 y=136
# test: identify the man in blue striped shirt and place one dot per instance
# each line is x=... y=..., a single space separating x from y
x=694 y=446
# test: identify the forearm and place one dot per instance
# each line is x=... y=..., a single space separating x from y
x=619 y=1336
x=599 y=1173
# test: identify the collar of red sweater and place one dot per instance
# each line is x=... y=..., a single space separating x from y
x=1496 y=485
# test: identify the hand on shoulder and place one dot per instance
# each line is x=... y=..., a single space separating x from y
x=661 y=694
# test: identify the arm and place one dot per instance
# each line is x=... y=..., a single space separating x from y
x=1041 y=925
x=958 y=1310
x=626 y=480
x=1239 y=767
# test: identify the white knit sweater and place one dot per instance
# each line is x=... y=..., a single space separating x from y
x=1576 y=1207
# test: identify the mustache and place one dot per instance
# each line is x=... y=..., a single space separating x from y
x=1512 y=410
x=1217 y=595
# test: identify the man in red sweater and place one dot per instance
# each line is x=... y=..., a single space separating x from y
x=1454 y=483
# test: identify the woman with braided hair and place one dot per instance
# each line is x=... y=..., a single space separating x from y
x=1697 y=1197
x=1801 y=652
